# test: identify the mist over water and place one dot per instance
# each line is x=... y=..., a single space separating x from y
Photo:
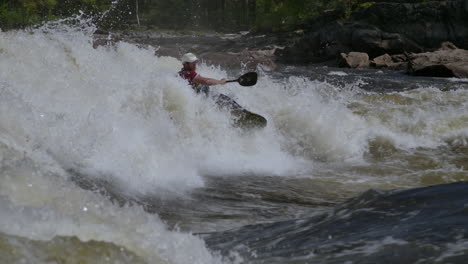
x=120 y=117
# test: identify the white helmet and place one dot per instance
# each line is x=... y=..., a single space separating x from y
x=189 y=57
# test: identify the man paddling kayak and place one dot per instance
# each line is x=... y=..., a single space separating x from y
x=198 y=82
x=242 y=117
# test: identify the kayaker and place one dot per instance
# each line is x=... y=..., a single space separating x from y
x=198 y=82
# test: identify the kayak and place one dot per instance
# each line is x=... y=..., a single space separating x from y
x=242 y=117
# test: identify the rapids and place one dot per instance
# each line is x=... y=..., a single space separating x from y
x=106 y=154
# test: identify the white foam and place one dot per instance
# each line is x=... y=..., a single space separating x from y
x=40 y=204
x=337 y=73
x=121 y=112
x=457 y=248
x=419 y=118
x=372 y=247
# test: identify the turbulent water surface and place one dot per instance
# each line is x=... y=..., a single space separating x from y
x=106 y=155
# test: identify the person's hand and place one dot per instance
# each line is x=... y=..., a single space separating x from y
x=222 y=81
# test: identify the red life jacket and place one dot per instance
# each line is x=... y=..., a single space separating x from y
x=189 y=76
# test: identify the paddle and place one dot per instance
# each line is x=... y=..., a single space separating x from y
x=248 y=79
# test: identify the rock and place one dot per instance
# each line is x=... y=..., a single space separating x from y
x=396 y=62
x=448 y=61
x=376 y=42
x=427 y=23
x=101 y=32
x=447 y=45
x=355 y=60
x=400 y=58
x=458 y=69
x=382 y=61
x=383 y=28
x=330 y=41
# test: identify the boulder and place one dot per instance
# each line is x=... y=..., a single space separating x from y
x=333 y=39
x=448 y=61
x=447 y=45
x=383 y=28
x=400 y=58
x=376 y=42
x=383 y=61
x=354 y=60
x=427 y=23
x=395 y=62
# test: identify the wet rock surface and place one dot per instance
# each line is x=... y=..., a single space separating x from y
x=387 y=32
x=354 y=60
x=329 y=42
x=448 y=61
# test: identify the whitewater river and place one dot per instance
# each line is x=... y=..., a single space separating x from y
x=107 y=156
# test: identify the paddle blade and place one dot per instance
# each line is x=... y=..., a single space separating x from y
x=248 y=79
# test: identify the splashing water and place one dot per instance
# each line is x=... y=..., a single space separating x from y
x=121 y=116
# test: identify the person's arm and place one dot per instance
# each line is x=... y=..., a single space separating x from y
x=208 y=81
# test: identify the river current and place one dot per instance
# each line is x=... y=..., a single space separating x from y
x=107 y=156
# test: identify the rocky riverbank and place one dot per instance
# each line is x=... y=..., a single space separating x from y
x=428 y=39
x=400 y=36
x=244 y=49
x=447 y=61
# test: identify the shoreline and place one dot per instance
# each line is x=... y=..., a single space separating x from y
x=249 y=51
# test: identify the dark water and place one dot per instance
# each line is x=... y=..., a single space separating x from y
x=427 y=225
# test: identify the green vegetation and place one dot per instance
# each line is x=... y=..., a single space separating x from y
x=366 y=4
x=234 y=15
x=218 y=15
x=23 y=13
